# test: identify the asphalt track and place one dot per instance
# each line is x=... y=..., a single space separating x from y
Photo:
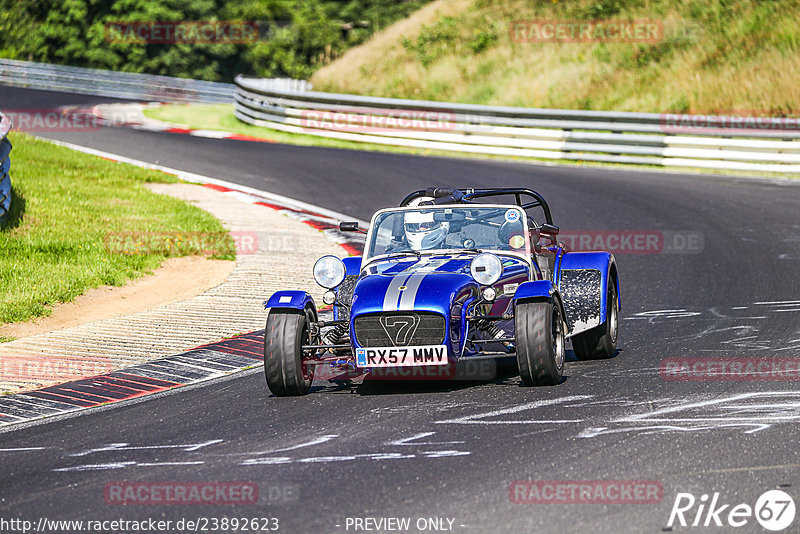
x=452 y=450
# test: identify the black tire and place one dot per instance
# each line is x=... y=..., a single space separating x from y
x=539 y=332
x=601 y=341
x=284 y=368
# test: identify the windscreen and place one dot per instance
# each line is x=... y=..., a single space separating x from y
x=448 y=229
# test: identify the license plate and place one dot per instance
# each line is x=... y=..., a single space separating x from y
x=402 y=356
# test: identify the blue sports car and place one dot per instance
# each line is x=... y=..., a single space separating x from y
x=449 y=276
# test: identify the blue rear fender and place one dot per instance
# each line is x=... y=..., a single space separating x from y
x=582 y=280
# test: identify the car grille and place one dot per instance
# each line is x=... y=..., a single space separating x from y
x=399 y=329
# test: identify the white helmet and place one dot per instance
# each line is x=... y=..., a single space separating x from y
x=422 y=232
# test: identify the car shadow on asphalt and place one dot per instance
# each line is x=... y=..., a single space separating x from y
x=503 y=373
x=571 y=358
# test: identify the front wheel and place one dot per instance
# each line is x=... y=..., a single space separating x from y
x=539 y=332
x=284 y=367
x=601 y=341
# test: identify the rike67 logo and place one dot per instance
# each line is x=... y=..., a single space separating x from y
x=774 y=510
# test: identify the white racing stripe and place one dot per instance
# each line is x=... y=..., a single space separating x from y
x=412 y=284
x=411 y=278
x=390 y=300
x=393 y=292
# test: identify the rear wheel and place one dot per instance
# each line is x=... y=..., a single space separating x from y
x=539 y=332
x=601 y=341
x=286 y=369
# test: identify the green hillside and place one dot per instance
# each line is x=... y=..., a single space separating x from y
x=710 y=56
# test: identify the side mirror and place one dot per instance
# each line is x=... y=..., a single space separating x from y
x=350 y=226
x=550 y=229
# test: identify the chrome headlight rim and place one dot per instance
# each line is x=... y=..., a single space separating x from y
x=486 y=268
x=329 y=271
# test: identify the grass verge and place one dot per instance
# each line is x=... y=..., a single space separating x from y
x=67 y=208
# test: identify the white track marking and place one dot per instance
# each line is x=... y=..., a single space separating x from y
x=444 y=454
x=154 y=464
x=97 y=467
x=405 y=441
x=702 y=404
x=386 y=456
x=326 y=459
x=109 y=447
x=127 y=447
x=275 y=460
x=187 y=448
x=315 y=441
x=281 y=460
x=477 y=418
x=643 y=430
x=752 y=412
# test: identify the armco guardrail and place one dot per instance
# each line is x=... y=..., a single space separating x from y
x=5 y=166
x=714 y=142
x=129 y=85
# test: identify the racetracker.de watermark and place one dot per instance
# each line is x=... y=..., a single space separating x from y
x=368 y=120
x=732 y=122
x=46 y=368
x=38 y=120
x=730 y=369
x=182 y=32
x=184 y=243
x=585 y=492
x=180 y=493
x=634 y=241
x=586 y=31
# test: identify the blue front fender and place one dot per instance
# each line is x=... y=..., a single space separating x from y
x=290 y=301
x=535 y=290
x=539 y=291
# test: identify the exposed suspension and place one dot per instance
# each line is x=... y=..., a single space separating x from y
x=490 y=328
x=333 y=336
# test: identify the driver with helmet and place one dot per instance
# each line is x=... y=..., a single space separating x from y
x=421 y=231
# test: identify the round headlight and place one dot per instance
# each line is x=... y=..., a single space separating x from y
x=489 y=294
x=329 y=271
x=486 y=269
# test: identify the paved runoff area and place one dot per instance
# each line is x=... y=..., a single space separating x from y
x=274 y=251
